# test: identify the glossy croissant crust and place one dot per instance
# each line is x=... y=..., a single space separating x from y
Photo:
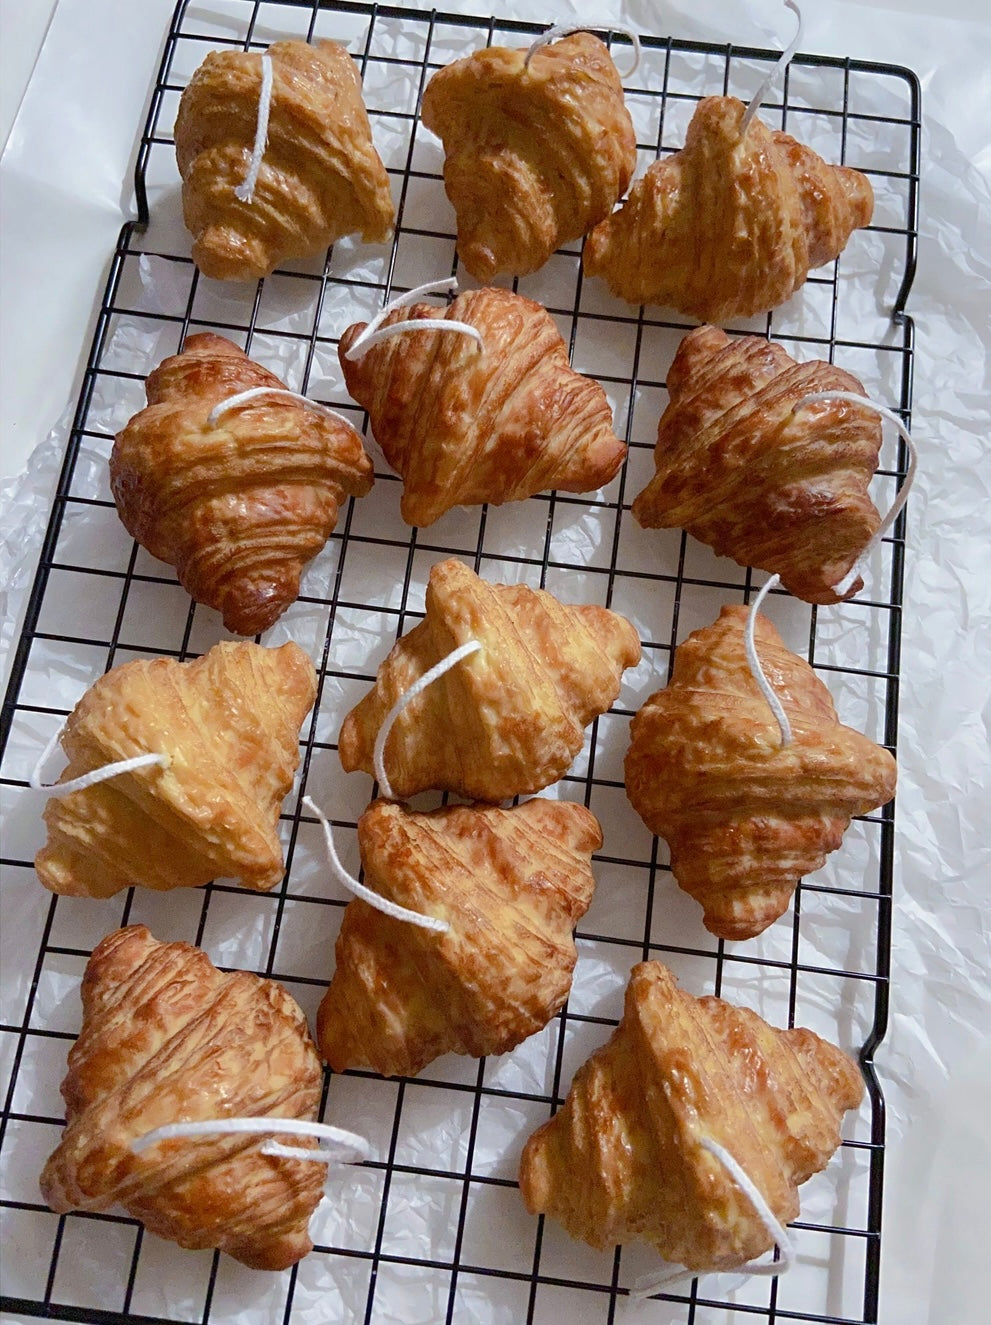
x=728 y=228
x=238 y=506
x=465 y=425
x=320 y=176
x=166 y=1038
x=621 y=1160
x=229 y=724
x=769 y=487
x=535 y=154
x=512 y=884
x=746 y=818
x=508 y=719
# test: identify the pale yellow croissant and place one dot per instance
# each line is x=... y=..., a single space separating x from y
x=746 y=817
x=228 y=724
x=512 y=884
x=535 y=154
x=239 y=505
x=168 y=1038
x=465 y=424
x=728 y=227
x=508 y=719
x=622 y=1160
x=320 y=176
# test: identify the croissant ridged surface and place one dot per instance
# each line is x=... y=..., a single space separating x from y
x=229 y=724
x=622 y=1160
x=535 y=155
x=320 y=176
x=783 y=491
x=167 y=1038
x=238 y=506
x=728 y=228
x=506 y=720
x=745 y=817
x=465 y=425
x=512 y=884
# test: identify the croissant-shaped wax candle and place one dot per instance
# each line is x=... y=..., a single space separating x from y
x=320 y=176
x=506 y=720
x=166 y=1037
x=622 y=1159
x=512 y=885
x=240 y=502
x=746 y=817
x=731 y=225
x=535 y=153
x=465 y=424
x=228 y=727
x=741 y=470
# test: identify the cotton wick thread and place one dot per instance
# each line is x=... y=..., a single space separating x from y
x=843 y=585
x=757 y=671
x=648 y=1284
x=95 y=776
x=418 y=686
x=776 y=72
x=341 y=1147
x=373 y=899
x=565 y=30
x=245 y=191
x=242 y=398
x=375 y=332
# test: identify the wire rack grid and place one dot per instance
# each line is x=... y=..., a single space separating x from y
x=434 y=1229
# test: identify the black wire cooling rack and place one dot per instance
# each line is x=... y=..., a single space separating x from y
x=434 y=1229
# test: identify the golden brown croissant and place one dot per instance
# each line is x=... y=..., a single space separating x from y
x=535 y=154
x=167 y=1038
x=465 y=425
x=622 y=1160
x=735 y=467
x=320 y=176
x=238 y=506
x=506 y=720
x=727 y=228
x=512 y=884
x=745 y=817
x=229 y=724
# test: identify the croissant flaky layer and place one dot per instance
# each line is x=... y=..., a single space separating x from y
x=465 y=424
x=729 y=226
x=239 y=505
x=506 y=720
x=167 y=1038
x=512 y=884
x=744 y=816
x=767 y=484
x=535 y=153
x=622 y=1159
x=320 y=176
x=228 y=724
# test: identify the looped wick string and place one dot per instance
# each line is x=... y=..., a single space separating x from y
x=843 y=585
x=776 y=72
x=95 y=775
x=380 y=903
x=245 y=191
x=375 y=332
x=242 y=397
x=565 y=29
x=341 y=1147
x=757 y=671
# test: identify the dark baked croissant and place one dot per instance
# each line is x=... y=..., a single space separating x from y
x=238 y=506
x=465 y=425
x=744 y=816
x=229 y=724
x=512 y=884
x=727 y=227
x=622 y=1160
x=508 y=719
x=320 y=176
x=167 y=1038
x=535 y=154
x=768 y=487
